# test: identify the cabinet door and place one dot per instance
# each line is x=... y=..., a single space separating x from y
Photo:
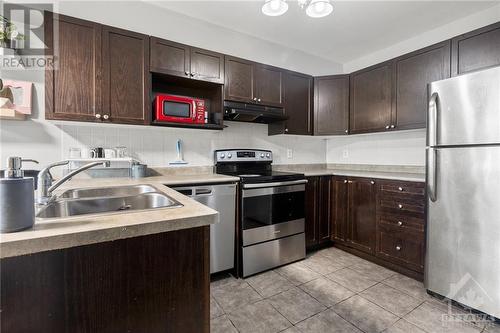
x=73 y=87
x=339 y=206
x=331 y=105
x=362 y=214
x=325 y=217
x=207 y=65
x=312 y=205
x=238 y=80
x=412 y=73
x=268 y=85
x=297 y=103
x=169 y=57
x=371 y=99
x=476 y=50
x=126 y=82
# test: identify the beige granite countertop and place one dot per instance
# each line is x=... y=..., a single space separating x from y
x=393 y=172
x=52 y=234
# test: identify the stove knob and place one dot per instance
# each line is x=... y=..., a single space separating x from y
x=268 y=155
x=262 y=155
x=229 y=155
x=222 y=155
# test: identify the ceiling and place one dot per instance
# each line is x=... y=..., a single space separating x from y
x=355 y=29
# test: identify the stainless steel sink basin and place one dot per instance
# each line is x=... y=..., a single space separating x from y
x=115 y=191
x=73 y=207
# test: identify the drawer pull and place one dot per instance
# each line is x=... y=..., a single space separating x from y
x=345 y=181
x=400 y=189
x=400 y=206
x=400 y=223
x=398 y=248
x=372 y=182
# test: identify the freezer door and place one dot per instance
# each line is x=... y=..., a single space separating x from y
x=463 y=226
x=465 y=109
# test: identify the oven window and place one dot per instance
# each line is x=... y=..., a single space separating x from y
x=176 y=109
x=260 y=211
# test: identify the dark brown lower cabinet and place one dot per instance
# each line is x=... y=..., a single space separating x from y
x=380 y=220
x=153 y=283
x=318 y=212
x=361 y=214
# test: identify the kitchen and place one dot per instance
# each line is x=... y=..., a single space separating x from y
x=238 y=174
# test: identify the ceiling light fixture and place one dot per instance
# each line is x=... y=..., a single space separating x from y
x=274 y=7
x=313 y=8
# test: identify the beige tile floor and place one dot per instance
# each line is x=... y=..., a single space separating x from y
x=331 y=291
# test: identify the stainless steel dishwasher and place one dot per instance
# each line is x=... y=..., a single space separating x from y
x=222 y=198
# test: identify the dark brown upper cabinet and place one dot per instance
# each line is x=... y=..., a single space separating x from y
x=297 y=104
x=268 y=85
x=476 y=50
x=331 y=105
x=181 y=60
x=250 y=82
x=126 y=82
x=362 y=214
x=169 y=57
x=239 y=80
x=412 y=73
x=73 y=87
x=371 y=99
x=101 y=73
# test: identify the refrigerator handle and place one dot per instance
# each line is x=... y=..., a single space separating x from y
x=431 y=173
x=432 y=120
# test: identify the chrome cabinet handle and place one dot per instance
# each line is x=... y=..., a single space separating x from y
x=286 y=130
x=98 y=115
x=398 y=248
x=372 y=182
x=258 y=99
x=347 y=131
x=255 y=98
x=392 y=126
x=400 y=188
x=187 y=73
x=400 y=206
x=192 y=74
x=345 y=181
x=400 y=223
x=387 y=127
x=105 y=117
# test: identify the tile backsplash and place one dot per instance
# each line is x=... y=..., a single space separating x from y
x=155 y=146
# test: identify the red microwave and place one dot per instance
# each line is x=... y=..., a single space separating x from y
x=179 y=109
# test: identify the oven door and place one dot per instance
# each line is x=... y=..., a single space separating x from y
x=175 y=109
x=271 y=212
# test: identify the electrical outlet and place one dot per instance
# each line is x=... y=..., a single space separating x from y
x=289 y=153
x=345 y=153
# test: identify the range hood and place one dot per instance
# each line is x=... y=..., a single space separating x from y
x=251 y=113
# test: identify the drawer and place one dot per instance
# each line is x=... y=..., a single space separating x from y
x=391 y=188
x=403 y=222
x=401 y=247
x=401 y=206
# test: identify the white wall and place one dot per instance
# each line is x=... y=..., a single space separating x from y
x=392 y=148
x=447 y=31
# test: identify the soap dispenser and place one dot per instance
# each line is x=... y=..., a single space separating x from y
x=17 y=197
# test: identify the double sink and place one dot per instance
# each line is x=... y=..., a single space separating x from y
x=105 y=200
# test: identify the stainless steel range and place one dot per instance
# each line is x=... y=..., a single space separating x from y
x=271 y=209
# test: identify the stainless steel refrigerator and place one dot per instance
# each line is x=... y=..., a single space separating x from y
x=463 y=190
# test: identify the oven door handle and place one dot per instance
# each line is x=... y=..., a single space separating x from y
x=261 y=185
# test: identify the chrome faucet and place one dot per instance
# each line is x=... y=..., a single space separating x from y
x=45 y=186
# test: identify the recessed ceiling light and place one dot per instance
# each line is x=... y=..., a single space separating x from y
x=274 y=7
x=319 y=8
